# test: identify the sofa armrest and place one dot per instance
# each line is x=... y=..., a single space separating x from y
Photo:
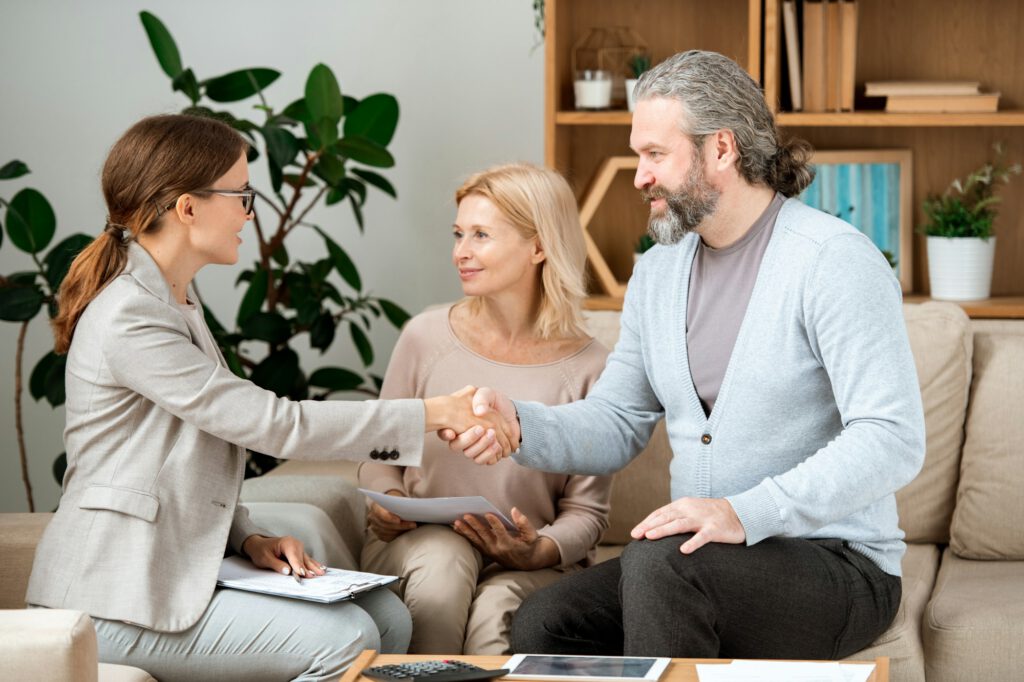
x=48 y=644
x=338 y=498
x=19 y=535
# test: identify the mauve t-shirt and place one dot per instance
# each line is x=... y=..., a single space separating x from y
x=721 y=281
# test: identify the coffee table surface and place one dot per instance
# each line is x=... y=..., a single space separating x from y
x=680 y=670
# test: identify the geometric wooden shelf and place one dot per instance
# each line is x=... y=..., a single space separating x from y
x=599 y=185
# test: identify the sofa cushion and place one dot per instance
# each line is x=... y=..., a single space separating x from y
x=902 y=641
x=19 y=535
x=941 y=341
x=990 y=498
x=48 y=644
x=974 y=625
x=640 y=488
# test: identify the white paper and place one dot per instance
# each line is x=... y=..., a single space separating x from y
x=783 y=671
x=437 y=509
x=335 y=585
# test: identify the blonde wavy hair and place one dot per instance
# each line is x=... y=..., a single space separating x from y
x=539 y=204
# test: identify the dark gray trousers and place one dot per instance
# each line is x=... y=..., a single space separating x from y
x=781 y=598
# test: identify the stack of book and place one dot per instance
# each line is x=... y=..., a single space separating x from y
x=821 y=53
x=933 y=96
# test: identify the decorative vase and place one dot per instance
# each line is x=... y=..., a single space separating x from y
x=960 y=268
x=630 y=100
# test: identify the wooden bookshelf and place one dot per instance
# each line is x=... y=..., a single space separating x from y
x=950 y=40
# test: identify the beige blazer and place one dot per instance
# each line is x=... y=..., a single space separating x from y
x=156 y=433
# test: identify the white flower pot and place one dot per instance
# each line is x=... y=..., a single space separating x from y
x=960 y=268
x=630 y=100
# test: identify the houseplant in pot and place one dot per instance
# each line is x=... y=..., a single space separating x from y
x=961 y=243
x=639 y=63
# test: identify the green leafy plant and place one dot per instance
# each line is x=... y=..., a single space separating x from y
x=968 y=207
x=639 y=63
x=321 y=146
x=31 y=224
x=644 y=244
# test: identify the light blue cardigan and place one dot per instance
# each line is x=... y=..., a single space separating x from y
x=819 y=418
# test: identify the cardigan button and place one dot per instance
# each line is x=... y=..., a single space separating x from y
x=706 y=439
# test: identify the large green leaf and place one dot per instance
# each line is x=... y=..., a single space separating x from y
x=278 y=372
x=357 y=188
x=186 y=82
x=269 y=327
x=378 y=181
x=58 y=261
x=163 y=44
x=281 y=145
x=365 y=150
x=297 y=111
x=47 y=379
x=330 y=169
x=321 y=334
x=323 y=95
x=13 y=169
x=336 y=379
x=375 y=118
x=254 y=297
x=342 y=263
x=395 y=313
x=30 y=221
x=20 y=303
x=362 y=344
x=238 y=85
x=60 y=465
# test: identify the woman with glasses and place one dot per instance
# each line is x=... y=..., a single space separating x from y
x=156 y=432
x=519 y=253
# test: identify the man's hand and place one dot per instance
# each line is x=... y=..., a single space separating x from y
x=387 y=525
x=473 y=443
x=710 y=520
x=526 y=551
x=459 y=413
x=282 y=555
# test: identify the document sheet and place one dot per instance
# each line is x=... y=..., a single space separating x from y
x=336 y=585
x=783 y=671
x=437 y=509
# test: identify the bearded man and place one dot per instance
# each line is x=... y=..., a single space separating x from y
x=771 y=338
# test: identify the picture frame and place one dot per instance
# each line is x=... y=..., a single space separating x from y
x=872 y=190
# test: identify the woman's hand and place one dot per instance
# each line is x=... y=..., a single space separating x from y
x=282 y=555
x=526 y=551
x=456 y=414
x=387 y=525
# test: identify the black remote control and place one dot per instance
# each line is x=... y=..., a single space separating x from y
x=433 y=671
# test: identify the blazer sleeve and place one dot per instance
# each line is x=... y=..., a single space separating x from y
x=242 y=527
x=148 y=349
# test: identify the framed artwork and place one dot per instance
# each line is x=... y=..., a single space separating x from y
x=870 y=189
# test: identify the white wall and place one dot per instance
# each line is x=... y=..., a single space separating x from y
x=75 y=75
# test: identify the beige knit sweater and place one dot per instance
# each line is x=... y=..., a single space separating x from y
x=430 y=360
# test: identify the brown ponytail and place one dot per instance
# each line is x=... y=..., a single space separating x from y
x=156 y=161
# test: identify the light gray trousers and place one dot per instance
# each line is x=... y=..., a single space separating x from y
x=253 y=637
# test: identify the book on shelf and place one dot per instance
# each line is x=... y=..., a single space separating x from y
x=789 y=24
x=921 y=87
x=977 y=103
x=848 y=63
x=833 y=54
x=814 y=56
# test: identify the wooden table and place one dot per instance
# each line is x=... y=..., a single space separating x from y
x=679 y=670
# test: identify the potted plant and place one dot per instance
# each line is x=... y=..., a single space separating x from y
x=639 y=63
x=961 y=245
x=645 y=242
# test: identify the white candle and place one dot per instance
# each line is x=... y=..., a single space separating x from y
x=593 y=92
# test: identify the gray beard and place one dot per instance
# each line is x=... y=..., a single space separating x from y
x=686 y=208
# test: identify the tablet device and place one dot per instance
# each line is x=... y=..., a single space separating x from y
x=578 y=668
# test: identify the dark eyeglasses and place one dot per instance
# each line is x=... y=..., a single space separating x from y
x=248 y=195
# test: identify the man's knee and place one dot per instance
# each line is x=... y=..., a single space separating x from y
x=532 y=622
x=646 y=562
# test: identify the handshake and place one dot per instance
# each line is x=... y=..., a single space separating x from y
x=480 y=423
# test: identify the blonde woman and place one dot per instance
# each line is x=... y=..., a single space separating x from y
x=519 y=253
